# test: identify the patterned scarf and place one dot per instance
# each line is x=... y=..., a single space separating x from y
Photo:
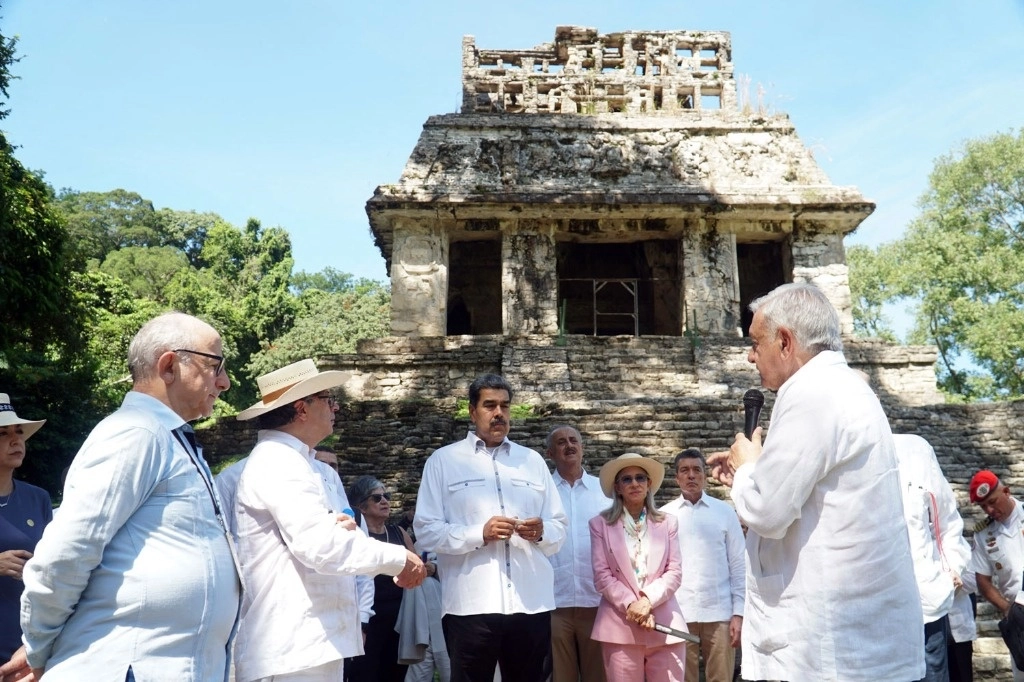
x=636 y=544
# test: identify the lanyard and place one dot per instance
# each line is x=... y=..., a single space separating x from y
x=193 y=456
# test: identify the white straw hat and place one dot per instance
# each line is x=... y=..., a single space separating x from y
x=8 y=417
x=655 y=470
x=291 y=383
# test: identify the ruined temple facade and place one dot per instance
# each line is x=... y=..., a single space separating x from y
x=607 y=185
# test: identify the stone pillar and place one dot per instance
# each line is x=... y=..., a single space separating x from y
x=419 y=280
x=529 y=279
x=711 y=290
x=819 y=258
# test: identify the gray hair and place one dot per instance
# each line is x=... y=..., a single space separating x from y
x=804 y=310
x=161 y=334
x=550 y=438
x=615 y=512
x=362 y=489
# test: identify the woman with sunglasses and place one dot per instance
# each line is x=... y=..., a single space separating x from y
x=380 y=662
x=635 y=555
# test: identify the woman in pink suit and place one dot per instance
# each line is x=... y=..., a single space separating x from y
x=636 y=569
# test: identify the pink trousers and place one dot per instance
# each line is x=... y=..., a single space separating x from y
x=636 y=663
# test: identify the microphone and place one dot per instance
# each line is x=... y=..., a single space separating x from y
x=753 y=401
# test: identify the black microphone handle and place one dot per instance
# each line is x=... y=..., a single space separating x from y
x=753 y=401
x=751 y=415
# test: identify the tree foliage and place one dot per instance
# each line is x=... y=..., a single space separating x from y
x=962 y=262
x=329 y=323
x=83 y=271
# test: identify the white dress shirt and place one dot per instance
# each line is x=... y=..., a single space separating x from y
x=296 y=614
x=462 y=487
x=713 y=559
x=573 y=566
x=929 y=507
x=831 y=592
x=338 y=500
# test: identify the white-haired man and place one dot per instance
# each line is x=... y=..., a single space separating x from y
x=827 y=546
x=134 y=578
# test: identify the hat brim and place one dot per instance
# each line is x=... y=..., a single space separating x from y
x=306 y=387
x=28 y=427
x=655 y=470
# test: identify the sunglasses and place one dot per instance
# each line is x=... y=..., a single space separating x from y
x=639 y=478
x=377 y=497
x=218 y=358
x=332 y=402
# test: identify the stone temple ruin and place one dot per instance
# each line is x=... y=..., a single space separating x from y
x=592 y=224
x=611 y=179
x=610 y=186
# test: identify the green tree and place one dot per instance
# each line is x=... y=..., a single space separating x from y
x=962 y=262
x=101 y=222
x=329 y=323
x=146 y=270
x=243 y=290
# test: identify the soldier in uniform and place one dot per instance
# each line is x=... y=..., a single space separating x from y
x=998 y=556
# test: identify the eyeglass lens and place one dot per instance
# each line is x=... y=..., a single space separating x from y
x=639 y=478
x=377 y=497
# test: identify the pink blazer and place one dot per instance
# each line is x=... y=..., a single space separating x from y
x=615 y=580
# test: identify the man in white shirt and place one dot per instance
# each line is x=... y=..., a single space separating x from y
x=712 y=592
x=488 y=508
x=574 y=655
x=937 y=544
x=298 y=619
x=829 y=570
x=998 y=556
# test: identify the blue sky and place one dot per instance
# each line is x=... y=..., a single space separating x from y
x=293 y=112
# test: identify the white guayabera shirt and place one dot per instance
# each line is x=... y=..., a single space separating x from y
x=462 y=487
x=831 y=593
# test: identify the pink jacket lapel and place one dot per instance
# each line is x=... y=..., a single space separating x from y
x=617 y=544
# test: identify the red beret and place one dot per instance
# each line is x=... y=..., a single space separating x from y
x=983 y=483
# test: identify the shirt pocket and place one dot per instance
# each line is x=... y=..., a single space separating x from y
x=465 y=484
x=765 y=621
x=526 y=483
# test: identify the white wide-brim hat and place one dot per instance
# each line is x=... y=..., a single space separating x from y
x=8 y=417
x=288 y=384
x=655 y=470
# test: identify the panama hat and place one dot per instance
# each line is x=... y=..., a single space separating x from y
x=8 y=417
x=288 y=384
x=655 y=470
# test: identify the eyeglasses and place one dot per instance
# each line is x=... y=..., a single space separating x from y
x=639 y=478
x=377 y=497
x=218 y=358
x=332 y=402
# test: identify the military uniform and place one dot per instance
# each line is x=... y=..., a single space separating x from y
x=999 y=552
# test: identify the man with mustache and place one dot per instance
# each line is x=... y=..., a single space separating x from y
x=575 y=656
x=489 y=510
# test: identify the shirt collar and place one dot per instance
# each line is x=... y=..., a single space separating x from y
x=702 y=500
x=287 y=439
x=164 y=414
x=478 y=444
x=586 y=480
